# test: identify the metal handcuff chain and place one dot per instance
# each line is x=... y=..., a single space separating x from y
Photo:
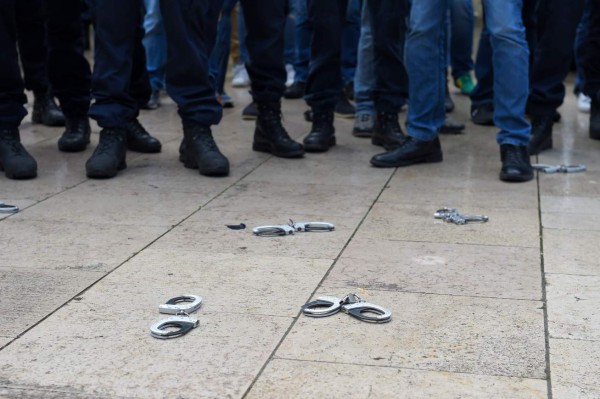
x=451 y=215
x=5 y=208
x=351 y=304
x=182 y=322
x=550 y=169
x=275 y=230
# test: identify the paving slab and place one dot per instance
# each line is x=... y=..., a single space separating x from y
x=49 y=245
x=206 y=232
x=31 y=393
x=405 y=222
x=570 y=204
x=452 y=269
x=575 y=371
x=571 y=252
x=5 y=340
x=571 y=221
x=301 y=379
x=429 y=332
x=585 y=184
x=573 y=306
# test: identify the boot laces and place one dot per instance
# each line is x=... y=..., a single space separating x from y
x=273 y=118
x=136 y=128
x=513 y=155
x=106 y=144
x=207 y=141
x=14 y=144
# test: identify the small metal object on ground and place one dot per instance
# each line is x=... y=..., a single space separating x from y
x=182 y=322
x=451 y=215
x=288 y=229
x=559 y=168
x=351 y=304
x=5 y=208
x=240 y=226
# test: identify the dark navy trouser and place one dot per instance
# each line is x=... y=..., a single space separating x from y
x=591 y=63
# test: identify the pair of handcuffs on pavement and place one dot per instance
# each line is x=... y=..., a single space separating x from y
x=451 y=215
x=5 y=208
x=351 y=304
x=182 y=322
x=274 y=230
x=559 y=168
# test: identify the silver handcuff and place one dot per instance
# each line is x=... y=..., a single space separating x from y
x=5 y=208
x=351 y=304
x=274 y=230
x=182 y=321
x=559 y=168
x=451 y=215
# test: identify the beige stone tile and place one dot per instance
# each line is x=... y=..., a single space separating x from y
x=573 y=306
x=30 y=295
x=585 y=184
x=44 y=393
x=21 y=203
x=100 y=202
x=242 y=284
x=5 y=340
x=571 y=251
x=570 y=204
x=405 y=222
x=279 y=198
x=571 y=221
x=101 y=346
x=206 y=232
x=55 y=246
x=575 y=372
x=320 y=380
x=472 y=270
x=429 y=332
x=32 y=134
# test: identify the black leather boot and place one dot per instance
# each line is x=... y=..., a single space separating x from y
x=46 y=111
x=139 y=140
x=411 y=151
x=541 y=134
x=15 y=161
x=387 y=132
x=516 y=166
x=482 y=114
x=322 y=134
x=76 y=136
x=595 y=119
x=270 y=135
x=109 y=156
x=295 y=91
x=199 y=151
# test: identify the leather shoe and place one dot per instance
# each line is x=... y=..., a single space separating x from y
x=541 y=134
x=270 y=135
x=411 y=151
x=46 y=111
x=109 y=156
x=387 y=132
x=450 y=126
x=139 y=140
x=516 y=166
x=76 y=136
x=295 y=91
x=322 y=134
x=482 y=114
x=595 y=119
x=201 y=152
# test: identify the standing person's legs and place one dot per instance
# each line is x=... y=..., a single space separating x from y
x=350 y=36
x=303 y=37
x=592 y=69
x=462 y=27
x=156 y=49
x=219 y=58
x=191 y=29
x=583 y=29
x=482 y=96
x=364 y=80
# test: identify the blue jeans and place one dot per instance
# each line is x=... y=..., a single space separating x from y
x=155 y=43
x=427 y=66
x=583 y=31
x=364 y=80
x=462 y=28
x=350 y=36
x=303 y=34
x=219 y=58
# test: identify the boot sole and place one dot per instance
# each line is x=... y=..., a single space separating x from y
x=144 y=150
x=515 y=179
x=363 y=134
x=432 y=158
x=102 y=174
x=260 y=147
x=216 y=172
x=318 y=147
x=381 y=143
x=345 y=116
x=18 y=176
x=72 y=147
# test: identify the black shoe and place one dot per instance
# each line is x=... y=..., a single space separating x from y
x=76 y=136
x=515 y=163
x=295 y=91
x=46 y=111
x=411 y=151
x=201 y=152
x=308 y=115
x=595 y=120
x=451 y=126
x=483 y=114
x=250 y=113
x=387 y=132
x=15 y=161
x=349 y=91
x=270 y=135
x=109 y=156
x=364 y=124
x=448 y=102
x=541 y=134
x=154 y=101
x=139 y=140
x=322 y=134
x=344 y=109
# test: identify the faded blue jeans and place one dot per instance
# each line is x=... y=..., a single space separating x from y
x=364 y=80
x=426 y=64
x=155 y=43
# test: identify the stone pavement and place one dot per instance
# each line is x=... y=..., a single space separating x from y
x=507 y=309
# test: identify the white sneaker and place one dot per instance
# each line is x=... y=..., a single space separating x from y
x=584 y=103
x=240 y=76
x=291 y=74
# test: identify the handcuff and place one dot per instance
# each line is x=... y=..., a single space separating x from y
x=351 y=304
x=5 y=208
x=180 y=307
x=451 y=215
x=559 y=168
x=274 y=230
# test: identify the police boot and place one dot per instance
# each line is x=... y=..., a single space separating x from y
x=46 y=111
x=199 y=151
x=15 y=161
x=139 y=140
x=387 y=132
x=270 y=135
x=541 y=134
x=322 y=134
x=109 y=156
x=76 y=136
